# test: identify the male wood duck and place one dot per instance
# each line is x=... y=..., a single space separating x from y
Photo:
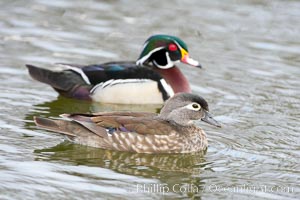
x=152 y=79
x=171 y=131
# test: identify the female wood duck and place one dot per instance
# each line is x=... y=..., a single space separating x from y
x=171 y=131
x=152 y=79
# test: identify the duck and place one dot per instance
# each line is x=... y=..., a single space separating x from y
x=152 y=79
x=171 y=131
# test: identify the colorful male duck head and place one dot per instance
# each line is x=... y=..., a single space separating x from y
x=164 y=51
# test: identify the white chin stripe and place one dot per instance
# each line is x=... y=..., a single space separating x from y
x=169 y=65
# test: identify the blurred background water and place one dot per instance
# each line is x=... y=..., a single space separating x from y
x=250 y=51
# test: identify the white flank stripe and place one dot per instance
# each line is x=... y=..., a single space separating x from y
x=117 y=81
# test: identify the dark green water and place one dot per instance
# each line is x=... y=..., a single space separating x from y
x=250 y=51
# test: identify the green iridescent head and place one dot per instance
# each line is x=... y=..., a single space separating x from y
x=163 y=51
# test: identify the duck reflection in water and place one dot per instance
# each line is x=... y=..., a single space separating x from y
x=172 y=170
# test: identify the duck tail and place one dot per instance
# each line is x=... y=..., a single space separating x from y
x=77 y=132
x=65 y=82
x=60 y=126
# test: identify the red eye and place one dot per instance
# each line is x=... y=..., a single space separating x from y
x=172 y=47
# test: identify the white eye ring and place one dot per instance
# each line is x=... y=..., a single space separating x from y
x=193 y=106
